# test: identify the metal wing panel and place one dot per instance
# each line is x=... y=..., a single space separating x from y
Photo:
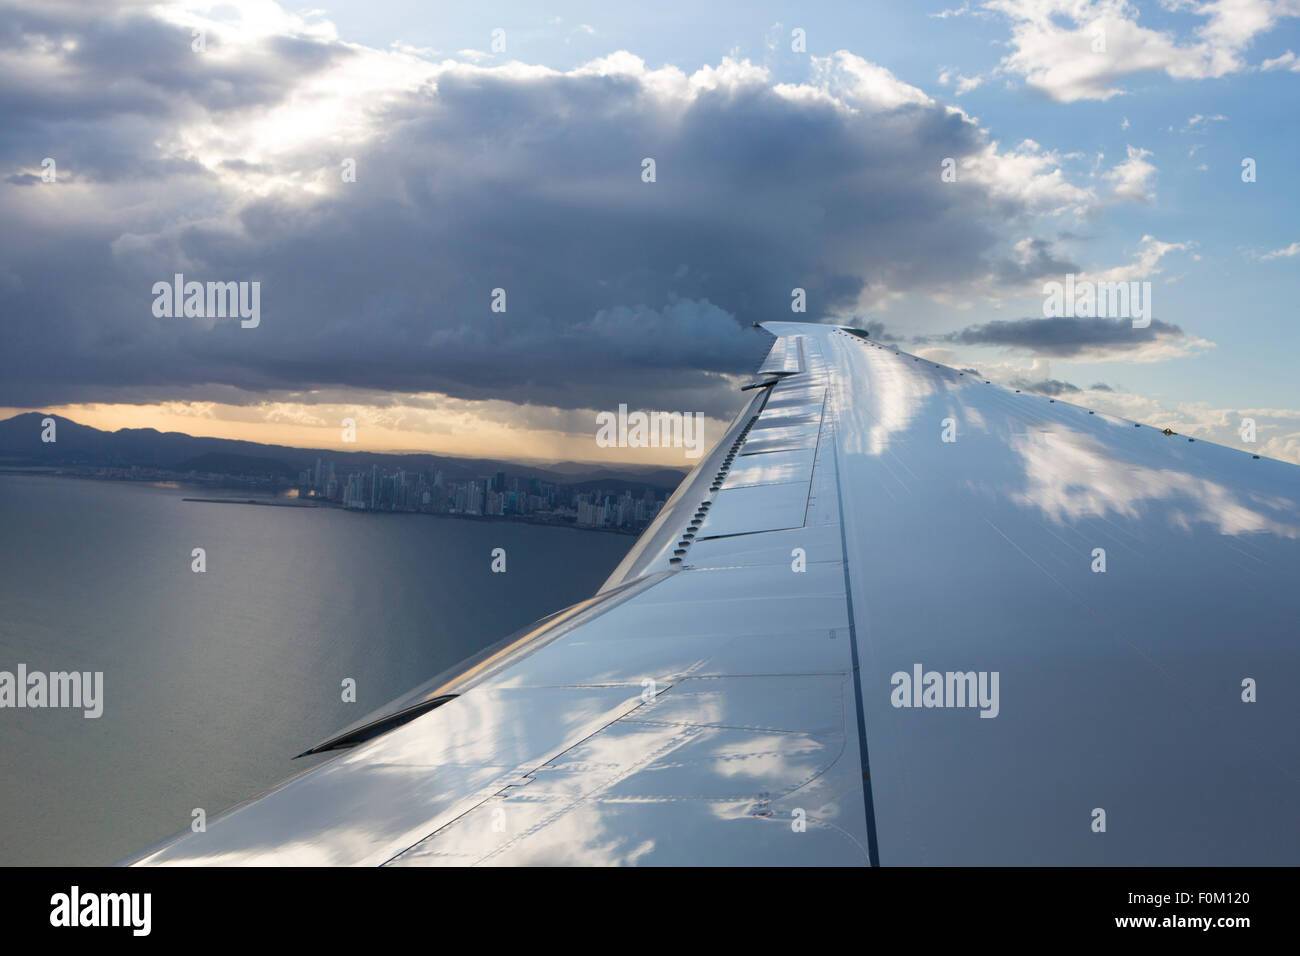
x=785 y=416
x=768 y=507
x=772 y=469
x=1120 y=690
x=363 y=807
x=786 y=357
x=661 y=793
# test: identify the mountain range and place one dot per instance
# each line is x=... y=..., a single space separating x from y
x=83 y=446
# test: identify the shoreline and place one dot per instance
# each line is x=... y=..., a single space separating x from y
x=270 y=502
x=330 y=505
x=269 y=499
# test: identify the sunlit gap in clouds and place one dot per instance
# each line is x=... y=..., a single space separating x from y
x=429 y=424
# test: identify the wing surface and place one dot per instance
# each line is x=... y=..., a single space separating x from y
x=735 y=694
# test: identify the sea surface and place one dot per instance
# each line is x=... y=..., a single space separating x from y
x=214 y=680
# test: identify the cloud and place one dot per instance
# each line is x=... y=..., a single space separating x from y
x=1034 y=261
x=1146 y=263
x=1082 y=339
x=1048 y=386
x=1133 y=177
x=962 y=11
x=1200 y=123
x=962 y=84
x=877 y=331
x=860 y=82
x=1054 y=459
x=225 y=166
x=1055 y=386
x=1028 y=176
x=1081 y=49
x=1277 y=430
x=1284 y=253
x=1287 y=61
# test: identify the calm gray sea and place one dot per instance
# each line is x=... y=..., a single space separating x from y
x=214 y=681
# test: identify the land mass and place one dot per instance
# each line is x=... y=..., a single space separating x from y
x=623 y=499
x=21 y=448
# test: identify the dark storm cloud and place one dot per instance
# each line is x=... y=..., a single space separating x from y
x=1055 y=387
x=1066 y=337
x=1048 y=386
x=876 y=331
x=530 y=181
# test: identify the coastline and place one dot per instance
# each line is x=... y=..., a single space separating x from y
x=307 y=504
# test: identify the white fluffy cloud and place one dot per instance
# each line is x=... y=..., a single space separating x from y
x=1146 y=262
x=1029 y=175
x=1287 y=61
x=1082 y=49
x=1134 y=177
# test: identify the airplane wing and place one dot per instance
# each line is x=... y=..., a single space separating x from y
x=899 y=615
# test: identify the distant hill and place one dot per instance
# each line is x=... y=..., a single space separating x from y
x=614 y=484
x=225 y=464
x=575 y=473
x=77 y=444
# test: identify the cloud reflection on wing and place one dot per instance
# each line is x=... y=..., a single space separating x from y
x=1070 y=475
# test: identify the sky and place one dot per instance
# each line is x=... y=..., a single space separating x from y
x=380 y=169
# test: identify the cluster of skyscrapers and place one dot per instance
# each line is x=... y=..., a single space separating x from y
x=430 y=492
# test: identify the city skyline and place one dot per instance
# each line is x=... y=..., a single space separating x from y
x=419 y=482
x=499 y=495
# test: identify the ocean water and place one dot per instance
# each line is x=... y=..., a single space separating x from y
x=213 y=681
